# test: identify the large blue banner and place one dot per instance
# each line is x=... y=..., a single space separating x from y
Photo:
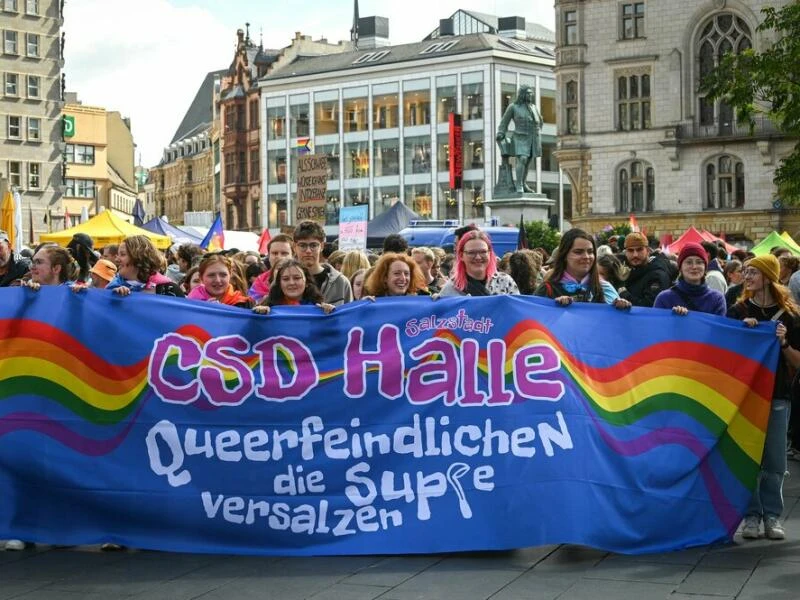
x=399 y=426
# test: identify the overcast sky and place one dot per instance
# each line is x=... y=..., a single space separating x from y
x=147 y=58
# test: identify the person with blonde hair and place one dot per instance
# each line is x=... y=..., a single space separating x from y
x=395 y=275
x=764 y=299
x=425 y=259
x=353 y=261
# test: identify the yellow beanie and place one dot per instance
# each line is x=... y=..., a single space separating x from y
x=768 y=265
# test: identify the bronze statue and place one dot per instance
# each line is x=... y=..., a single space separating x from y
x=526 y=141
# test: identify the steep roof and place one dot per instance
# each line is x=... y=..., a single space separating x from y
x=199 y=114
x=464 y=44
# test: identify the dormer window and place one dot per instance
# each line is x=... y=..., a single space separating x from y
x=439 y=47
x=370 y=57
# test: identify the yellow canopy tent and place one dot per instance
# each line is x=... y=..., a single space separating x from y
x=105 y=228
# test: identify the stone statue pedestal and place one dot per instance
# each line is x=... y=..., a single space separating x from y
x=510 y=205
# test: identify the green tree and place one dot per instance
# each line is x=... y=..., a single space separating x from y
x=767 y=83
x=541 y=235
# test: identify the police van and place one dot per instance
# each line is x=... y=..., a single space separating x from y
x=442 y=234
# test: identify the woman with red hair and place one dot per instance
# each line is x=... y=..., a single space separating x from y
x=475 y=271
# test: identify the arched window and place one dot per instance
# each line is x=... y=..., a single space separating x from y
x=571 y=107
x=636 y=187
x=722 y=34
x=724 y=182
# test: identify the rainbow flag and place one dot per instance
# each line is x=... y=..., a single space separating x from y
x=304 y=146
x=215 y=238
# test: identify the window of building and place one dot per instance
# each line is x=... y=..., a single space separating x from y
x=15 y=173
x=416 y=102
x=446 y=90
x=298 y=114
x=443 y=152
x=253 y=114
x=439 y=47
x=79 y=153
x=326 y=112
x=33 y=86
x=189 y=202
x=725 y=182
x=549 y=162
x=447 y=202
x=633 y=102
x=32 y=7
x=276 y=166
x=472 y=95
x=473 y=200
x=189 y=174
x=370 y=57
x=230 y=167
x=508 y=90
x=241 y=167
x=548 y=106
x=356 y=109
x=34 y=129
x=417 y=153
x=636 y=187
x=255 y=212
x=385 y=106
x=632 y=20
x=724 y=33
x=276 y=123
x=277 y=214
x=570 y=27
x=385 y=197
x=255 y=166
x=356 y=160
x=331 y=151
x=12 y=84
x=420 y=200
x=571 y=107
x=14 y=127
x=10 y=42
x=32 y=45
x=355 y=196
x=473 y=149
x=10 y=5
x=80 y=188
x=386 y=157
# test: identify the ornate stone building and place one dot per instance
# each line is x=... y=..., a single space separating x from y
x=637 y=135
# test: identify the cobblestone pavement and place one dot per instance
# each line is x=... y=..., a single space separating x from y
x=758 y=569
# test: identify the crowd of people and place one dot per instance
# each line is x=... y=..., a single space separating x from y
x=301 y=269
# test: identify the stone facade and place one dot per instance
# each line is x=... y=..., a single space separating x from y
x=635 y=134
x=31 y=97
x=185 y=184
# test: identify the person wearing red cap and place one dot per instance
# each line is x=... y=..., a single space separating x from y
x=690 y=292
x=765 y=299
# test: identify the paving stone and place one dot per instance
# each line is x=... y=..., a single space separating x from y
x=345 y=591
x=595 y=589
x=51 y=566
x=626 y=570
x=775 y=580
x=724 y=582
x=13 y=589
x=740 y=559
x=445 y=582
x=569 y=557
x=535 y=585
x=393 y=571
x=691 y=556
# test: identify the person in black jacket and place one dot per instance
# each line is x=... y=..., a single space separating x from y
x=649 y=273
x=12 y=267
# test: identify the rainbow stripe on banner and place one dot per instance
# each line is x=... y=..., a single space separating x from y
x=399 y=426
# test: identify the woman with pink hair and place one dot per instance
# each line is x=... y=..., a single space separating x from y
x=475 y=270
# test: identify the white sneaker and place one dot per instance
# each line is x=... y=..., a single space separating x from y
x=750 y=529
x=14 y=545
x=773 y=529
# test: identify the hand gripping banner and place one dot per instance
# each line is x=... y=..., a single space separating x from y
x=399 y=426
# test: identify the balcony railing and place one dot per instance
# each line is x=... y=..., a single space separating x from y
x=763 y=127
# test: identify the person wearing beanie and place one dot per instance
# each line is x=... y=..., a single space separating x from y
x=690 y=292
x=649 y=274
x=765 y=299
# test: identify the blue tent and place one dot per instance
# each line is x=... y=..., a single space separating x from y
x=178 y=236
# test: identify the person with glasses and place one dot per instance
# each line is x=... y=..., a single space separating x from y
x=308 y=240
x=575 y=276
x=691 y=292
x=475 y=270
x=765 y=299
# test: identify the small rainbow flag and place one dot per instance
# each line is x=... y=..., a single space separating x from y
x=215 y=238
x=304 y=146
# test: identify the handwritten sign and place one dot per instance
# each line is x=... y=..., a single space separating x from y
x=353 y=227
x=312 y=185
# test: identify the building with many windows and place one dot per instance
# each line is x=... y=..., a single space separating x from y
x=637 y=135
x=31 y=59
x=380 y=115
x=98 y=161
